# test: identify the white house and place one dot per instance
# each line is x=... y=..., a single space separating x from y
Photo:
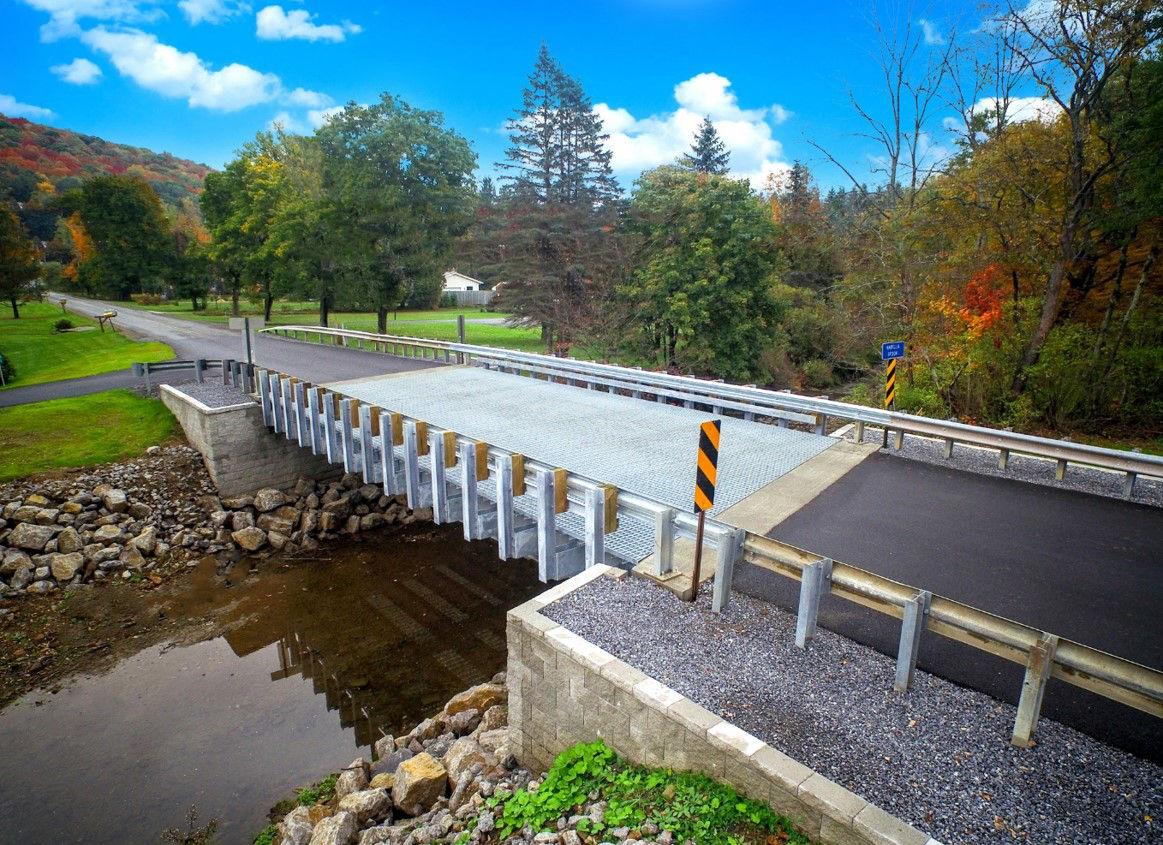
x=454 y=280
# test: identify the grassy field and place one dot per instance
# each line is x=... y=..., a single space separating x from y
x=526 y=340
x=40 y=355
x=79 y=432
x=288 y=312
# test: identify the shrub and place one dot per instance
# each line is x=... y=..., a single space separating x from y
x=818 y=373
x=62 y=325
x=7 y=368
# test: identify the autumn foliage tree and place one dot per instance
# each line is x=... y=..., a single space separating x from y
x=18 y=260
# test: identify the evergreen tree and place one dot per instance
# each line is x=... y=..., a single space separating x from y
x=708 y=153
x=488 y=195
x=550 y=239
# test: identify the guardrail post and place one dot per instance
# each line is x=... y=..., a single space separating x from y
x=595 y=532
x=334 y=453
x=264 y=399
x=348 y=438
x=302 y=417
x=506 y=537
x=439 y=482
x=289 y=423
x=226 y=362
x=948 y=447
x=469 y=503
x=313 y=429
x=148 y=386
x=899 y=435
x=813 y=579
x=388 y=454
x=367 y=445
x=730 y=546
x=277 y=417
x=1129 y=484
x=859 y=431
x=200 y=370
x=1060 y=470
x=411 y=465
x=1033 y=688
x=663 y=541
x=1003 y=458
x=546 y=527
x=911 y=627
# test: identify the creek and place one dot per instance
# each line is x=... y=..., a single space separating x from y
x=272 y=674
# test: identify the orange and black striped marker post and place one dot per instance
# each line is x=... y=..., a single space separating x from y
x=890 y=383
x=706 y=476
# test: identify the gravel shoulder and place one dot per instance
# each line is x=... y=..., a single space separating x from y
x=938 y=757
x=1148 y=491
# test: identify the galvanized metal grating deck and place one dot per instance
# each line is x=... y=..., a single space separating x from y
x=639 y=446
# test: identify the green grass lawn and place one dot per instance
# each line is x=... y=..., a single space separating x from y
x=526 y=340
x=79 y=432
x=40 y=355
x=290 y=312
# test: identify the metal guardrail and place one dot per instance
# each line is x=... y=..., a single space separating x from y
x=752 y=400
x=238 y=373
x=1045 y=655
x=346 y=431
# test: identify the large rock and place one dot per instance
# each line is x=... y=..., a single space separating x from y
x=69 y=541
x=495 y=717
x=296 y=827
x=108 y=534
x=462 y=755
x=41 y=587
x=268 y=498
x=340 y=829
x=146 y=541
x=115 y=501
x=29 y=536
x=340 y=507
x=241 y=520
x=13 y=560
x=497 y=741
x=367 y=804
x=270 y=522
x=46 y=516
x=64 y=567
x=252 y=539
x=419 y=782
x=479 y=698
x=353 y=778
x=464 y=722
x=39 y=500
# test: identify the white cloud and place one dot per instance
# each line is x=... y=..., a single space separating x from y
x=303 y=97
x=12 y=107
x=78 y=72
x=275 y=24
x=638 y=144
x=211 y=11
x=65 y=14
x=317 y=117
x=1020 y=109
x=932 y=33
x=168 y=71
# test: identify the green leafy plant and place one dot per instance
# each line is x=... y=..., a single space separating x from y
x=267 y=836
x=62 y=325
x=319 y=793
x=690 y=805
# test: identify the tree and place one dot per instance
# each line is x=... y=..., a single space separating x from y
x=552 y=237
x=702 y=294
x=18 y=260
x=129 y=231
x=399 y=190
x=708 y=153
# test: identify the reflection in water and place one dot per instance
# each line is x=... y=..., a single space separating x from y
x=380 y=633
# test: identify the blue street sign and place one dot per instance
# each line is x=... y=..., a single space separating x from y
x=895 y=349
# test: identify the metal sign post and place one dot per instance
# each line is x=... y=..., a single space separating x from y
x=706 y=476
x=890 y=352
x=246 y=333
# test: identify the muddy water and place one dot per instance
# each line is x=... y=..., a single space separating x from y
x=275 y=677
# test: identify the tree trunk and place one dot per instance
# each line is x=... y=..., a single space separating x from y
x=234 y=300
x=324 y=309
x=1110 y=362
x=1051 y=304
x=382 y=319
x=268 y=301
x=15 y=309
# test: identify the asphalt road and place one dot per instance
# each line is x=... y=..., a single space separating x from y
x=1084 y=567
x=196 y=339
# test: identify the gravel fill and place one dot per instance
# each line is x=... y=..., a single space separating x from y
x=1148 y=491
x=216 y=395
x=938 y=756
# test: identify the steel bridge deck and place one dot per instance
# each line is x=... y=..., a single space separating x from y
x=639 y=446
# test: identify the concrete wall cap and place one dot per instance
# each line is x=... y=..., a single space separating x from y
x=201 y=407
x=734 y=738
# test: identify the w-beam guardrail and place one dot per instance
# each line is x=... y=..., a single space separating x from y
x=410 y=458
x=237 y=373
x=747 y=401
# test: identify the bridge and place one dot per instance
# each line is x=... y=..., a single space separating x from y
x=574 y=464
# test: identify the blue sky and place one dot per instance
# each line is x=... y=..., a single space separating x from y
x=198 y=78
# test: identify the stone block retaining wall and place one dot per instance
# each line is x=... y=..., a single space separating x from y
x=564 y=690
x=240 y=453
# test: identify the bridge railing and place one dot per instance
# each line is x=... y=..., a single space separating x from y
x=752 y=402
x=237 y=373
x=369 y=440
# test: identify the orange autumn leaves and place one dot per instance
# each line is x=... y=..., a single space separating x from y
x=976 y=310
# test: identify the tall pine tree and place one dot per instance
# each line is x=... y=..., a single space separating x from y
x=708 y=153
x=550 y=236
